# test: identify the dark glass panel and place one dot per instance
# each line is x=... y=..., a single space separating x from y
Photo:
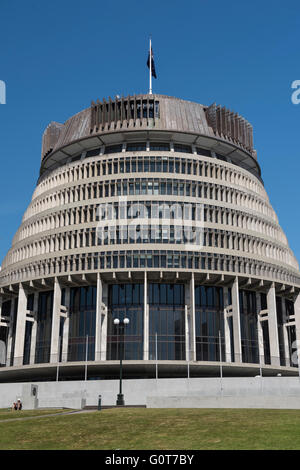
x=4 y=331
x=166 y=321
x=27 y=342
x=263 y=300
x=128 y=340
x=209 y=323
x=248 y=319
x=82 y=323
x=44 y=325
x=159 y=146
x=93 y=153
x=30 y=302
x=266 y=342
x=204 y=152
x=113 y=149
x=135 y=147
x=182 y=148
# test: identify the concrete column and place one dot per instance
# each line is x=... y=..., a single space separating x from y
x=146 y=320
x=20 y=327
x=65 y=337
x=104 y=321
x=187 y=333
x=236 y=321
x=227 y=316
x=273 y=328
x=34 y=328
x=98 y=327
x=55 y=322
x=187 y=311
x=260 y=336
x=192 y=320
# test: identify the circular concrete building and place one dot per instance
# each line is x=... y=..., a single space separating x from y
x=150 y=208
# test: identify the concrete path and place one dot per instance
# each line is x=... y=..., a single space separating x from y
x=44 y=416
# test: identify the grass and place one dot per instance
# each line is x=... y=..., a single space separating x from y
x=159 y=429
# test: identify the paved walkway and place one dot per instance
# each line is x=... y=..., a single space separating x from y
x=44 y=416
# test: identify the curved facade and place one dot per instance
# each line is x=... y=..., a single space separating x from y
x=153 y=208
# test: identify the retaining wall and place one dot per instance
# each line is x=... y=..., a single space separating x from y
x=266 y=392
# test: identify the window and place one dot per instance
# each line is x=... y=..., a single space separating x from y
x=209 y=323
x=248 y=318
x=113 y=149
x=205 y=152
x=166 y=321
x=135 y=147
x=44 y=325
x=182 y=148
x=93 y=153
x=159 y=146
x=82 y=323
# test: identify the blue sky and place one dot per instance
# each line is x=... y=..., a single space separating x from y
x=55 y=57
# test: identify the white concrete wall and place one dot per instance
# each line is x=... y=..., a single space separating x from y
x=274 y=392
x=262 y=401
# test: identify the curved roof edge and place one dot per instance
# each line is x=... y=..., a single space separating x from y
x=156 y=112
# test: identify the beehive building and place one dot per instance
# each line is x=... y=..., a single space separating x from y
x=152 y=208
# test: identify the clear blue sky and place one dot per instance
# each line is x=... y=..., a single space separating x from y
x=57 y=56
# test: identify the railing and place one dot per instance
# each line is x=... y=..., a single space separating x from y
x=228 y=124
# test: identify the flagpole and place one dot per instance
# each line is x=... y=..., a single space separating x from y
x=150 y=69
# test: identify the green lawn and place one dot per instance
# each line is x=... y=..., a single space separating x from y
x=160 y=429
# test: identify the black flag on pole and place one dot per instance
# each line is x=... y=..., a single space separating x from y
x=153 y=73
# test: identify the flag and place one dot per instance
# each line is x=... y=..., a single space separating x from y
x=153 y=73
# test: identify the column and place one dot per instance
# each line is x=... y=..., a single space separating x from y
x=54 y=351
x=192 y=319
x=236 y=321
x=98 y=327
x=146 y=320
x=104 y=320
x=273 y=328
x=260 y=336
x=227 y=316
x=65 y=336
x=187 y=333
x=20 y=327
